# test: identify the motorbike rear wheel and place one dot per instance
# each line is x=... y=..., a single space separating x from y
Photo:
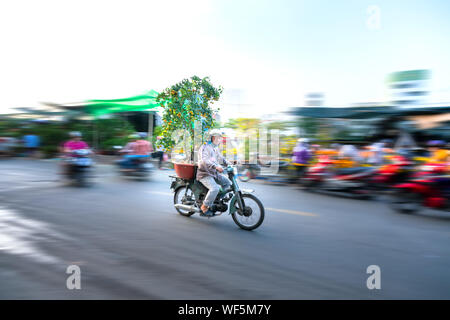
x=253 y=215
x=404 y=201
x=183 y=196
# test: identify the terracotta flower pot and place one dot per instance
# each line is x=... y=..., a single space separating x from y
x=185 y=170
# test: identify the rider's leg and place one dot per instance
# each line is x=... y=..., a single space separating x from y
x=224 y=181
x=213 y=190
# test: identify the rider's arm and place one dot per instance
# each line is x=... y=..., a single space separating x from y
x=207 y=158
x=65 y=148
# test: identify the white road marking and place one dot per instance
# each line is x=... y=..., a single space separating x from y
x=28 y=186
x=300 y=213
x=18 y=235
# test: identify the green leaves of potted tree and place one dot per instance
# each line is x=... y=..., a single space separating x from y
x=186 y=104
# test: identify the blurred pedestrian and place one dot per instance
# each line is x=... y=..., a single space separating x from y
x=31 y=143
x=159 y=153
x=301 y=157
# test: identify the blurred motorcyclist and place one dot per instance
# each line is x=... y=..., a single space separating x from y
x=301 y=156
x=125 y=162
x=142 y=147
x=209 y=171
x=74 y=143
x=137 y=148
x=129 y=147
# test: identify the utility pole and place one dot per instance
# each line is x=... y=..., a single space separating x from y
x=150 y=125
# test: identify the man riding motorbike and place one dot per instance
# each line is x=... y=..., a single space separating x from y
x=137 y=148
x=73 y=144
x=209 y=171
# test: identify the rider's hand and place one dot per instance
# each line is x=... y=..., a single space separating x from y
x=219 y=168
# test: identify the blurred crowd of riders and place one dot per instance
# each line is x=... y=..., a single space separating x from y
x=379 y=153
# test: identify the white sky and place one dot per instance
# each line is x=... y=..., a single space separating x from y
x=266 y=54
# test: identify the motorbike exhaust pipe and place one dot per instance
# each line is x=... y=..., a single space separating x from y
x=186 y=207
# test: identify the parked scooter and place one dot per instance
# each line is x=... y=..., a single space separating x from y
x=429 y=188
x=353 y=181
x=397 y=171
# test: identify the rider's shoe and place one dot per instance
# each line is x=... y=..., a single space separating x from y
x=208 y=214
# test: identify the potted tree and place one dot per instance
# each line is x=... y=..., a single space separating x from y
x=186 y=104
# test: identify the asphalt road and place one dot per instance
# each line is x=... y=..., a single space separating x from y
x=130 y=243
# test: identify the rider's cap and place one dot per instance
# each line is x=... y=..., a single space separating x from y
x=215 y=133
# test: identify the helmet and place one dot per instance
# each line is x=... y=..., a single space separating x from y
x=142 y=135
x=435 y=143
x=303 y=140
x=133 y=136
x=214 y=133
x=75 y=134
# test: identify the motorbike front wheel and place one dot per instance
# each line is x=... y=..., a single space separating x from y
x=253 y=214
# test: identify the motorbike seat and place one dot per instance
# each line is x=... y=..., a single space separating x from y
x=200 y=185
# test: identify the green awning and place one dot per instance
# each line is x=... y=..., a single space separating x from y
x=142 y=102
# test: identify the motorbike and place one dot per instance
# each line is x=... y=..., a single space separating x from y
x=139 y=168
x=78 y=166
x=397 y=171
x=246 y=209
x=429 y=188
x=324 y=176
